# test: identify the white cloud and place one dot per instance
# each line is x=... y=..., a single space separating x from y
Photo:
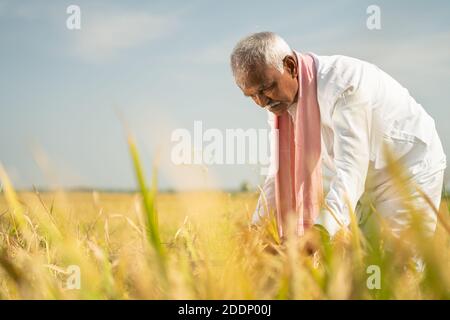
x=104 y=35
x=216 y=53
x=410 y=58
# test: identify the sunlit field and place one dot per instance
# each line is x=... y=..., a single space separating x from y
x=199 y=245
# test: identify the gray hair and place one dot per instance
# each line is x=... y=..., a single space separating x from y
x=257 y=50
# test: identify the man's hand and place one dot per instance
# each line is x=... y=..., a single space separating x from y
x=316 y=236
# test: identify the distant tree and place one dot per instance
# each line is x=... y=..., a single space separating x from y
x=244 y=187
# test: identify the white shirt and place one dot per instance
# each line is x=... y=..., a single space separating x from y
x=361 y=109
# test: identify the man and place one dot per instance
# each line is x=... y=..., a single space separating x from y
x=338 y=114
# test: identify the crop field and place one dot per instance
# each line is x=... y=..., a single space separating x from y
x=199 y=245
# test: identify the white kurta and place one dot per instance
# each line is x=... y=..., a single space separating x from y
x=362 y=108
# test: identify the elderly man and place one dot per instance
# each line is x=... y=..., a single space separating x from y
x=338 y=114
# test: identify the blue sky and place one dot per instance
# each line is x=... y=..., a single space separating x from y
x=164 y=64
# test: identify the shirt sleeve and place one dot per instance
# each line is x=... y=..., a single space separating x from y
x=352 y=129
x=266 y=201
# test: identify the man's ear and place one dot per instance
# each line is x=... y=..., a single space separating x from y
x=290 y=65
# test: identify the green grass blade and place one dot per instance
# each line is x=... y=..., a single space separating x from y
x=148 y=199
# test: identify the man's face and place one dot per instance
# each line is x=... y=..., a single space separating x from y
x=270 y=88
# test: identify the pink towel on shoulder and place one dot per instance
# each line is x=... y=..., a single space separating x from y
x=298 y=183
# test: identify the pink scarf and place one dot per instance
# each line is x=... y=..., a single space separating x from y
x=298 y=183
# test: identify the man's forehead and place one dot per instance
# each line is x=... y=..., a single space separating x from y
x=256 y=79
x=252 y=88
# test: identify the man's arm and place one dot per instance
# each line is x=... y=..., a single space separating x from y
x=352 y=129
x=266 y=201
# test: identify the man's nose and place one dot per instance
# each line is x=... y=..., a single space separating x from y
x=261 y=100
